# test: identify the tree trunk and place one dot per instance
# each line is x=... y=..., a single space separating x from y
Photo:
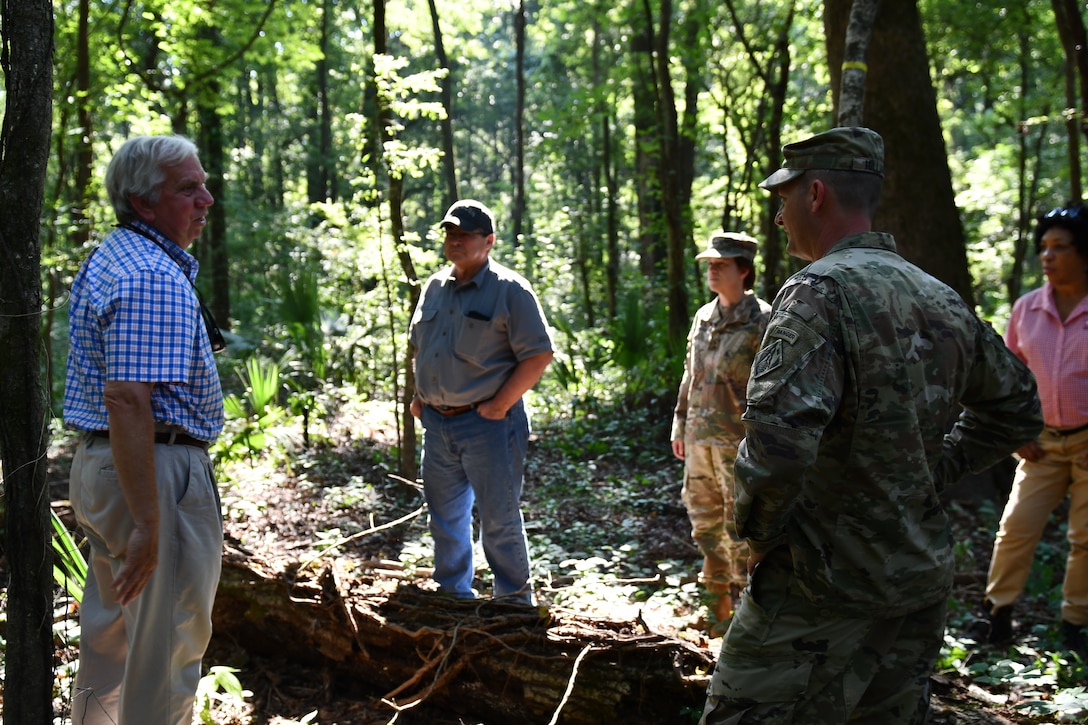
x=27 y=61
x=483 y=659
x=672 y=174
x=859 y=32
x=519 y=130
x=651 y=232
x=449 y=164
x=1070 y=24
x=212 y=245
x=918 y=205
x=1027 y=180
x=81 y=217
x=406 y=425
x=320 y=147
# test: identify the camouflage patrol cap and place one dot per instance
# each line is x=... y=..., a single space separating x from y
x=849 y=148
x=729 y=244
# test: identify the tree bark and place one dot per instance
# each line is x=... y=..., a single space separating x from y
x=449 y=163
x=490 y=661
x=519 y=129
x=212 y=246
x=319 y=158
x=27 y=60
x=1070 y=24
x=918 y=205
x=859 y=32
x=406 y=428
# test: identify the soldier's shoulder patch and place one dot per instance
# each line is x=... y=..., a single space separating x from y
x=769 y=358
x=784 y=333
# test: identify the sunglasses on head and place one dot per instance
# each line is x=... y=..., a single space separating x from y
x=1072 y=213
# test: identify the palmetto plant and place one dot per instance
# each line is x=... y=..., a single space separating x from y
x=69 y=566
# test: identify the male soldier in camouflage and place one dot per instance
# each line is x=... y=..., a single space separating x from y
x=865 y=361
x=706 y=427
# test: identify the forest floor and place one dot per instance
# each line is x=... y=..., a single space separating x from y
x=609 y=537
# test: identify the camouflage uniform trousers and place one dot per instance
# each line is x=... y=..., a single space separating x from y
x=708 y=497
x=786 y=660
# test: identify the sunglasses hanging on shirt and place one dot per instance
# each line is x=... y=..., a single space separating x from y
x=215 y=336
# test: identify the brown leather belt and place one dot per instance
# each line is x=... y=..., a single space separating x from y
x=170 y=439
x=1066 y=431
x=452 y=410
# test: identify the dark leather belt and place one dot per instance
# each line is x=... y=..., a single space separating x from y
x=452 y=410
x=1066 y=431
x=170 y=439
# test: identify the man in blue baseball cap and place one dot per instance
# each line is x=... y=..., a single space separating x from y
x=482 y=342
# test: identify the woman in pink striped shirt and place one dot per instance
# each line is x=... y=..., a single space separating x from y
x=1048 y=330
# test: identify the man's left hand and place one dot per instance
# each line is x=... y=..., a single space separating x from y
x=492 y=410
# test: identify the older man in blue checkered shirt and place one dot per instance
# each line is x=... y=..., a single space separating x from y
x=143 y=389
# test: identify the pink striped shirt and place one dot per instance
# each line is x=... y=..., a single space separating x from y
x=1056 y=352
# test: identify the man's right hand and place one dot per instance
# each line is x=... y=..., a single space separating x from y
x=141 y=557
x=416 y=407
x=1031 y=452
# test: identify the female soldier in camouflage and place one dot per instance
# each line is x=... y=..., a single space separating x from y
x=706 y=429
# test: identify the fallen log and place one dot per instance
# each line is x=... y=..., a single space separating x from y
x=494 y=662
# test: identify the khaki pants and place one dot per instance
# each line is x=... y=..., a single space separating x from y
x=788 y=661
x=1037 y=490
x=708 y=497
x=140 y=664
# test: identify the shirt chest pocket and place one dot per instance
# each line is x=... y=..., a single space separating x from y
x=423 y=323
x=482 y=342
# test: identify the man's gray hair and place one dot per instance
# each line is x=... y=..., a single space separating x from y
x=139 y=169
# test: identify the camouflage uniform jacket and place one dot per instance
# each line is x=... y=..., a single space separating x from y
x=865 y=364
x=721 y=346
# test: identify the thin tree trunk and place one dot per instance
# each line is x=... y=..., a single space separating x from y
x=1070 y=25
x=212 y=245
x=81 y=217
x=27 y=61
x=1027 y=182
x=317 y=172
x=406 y=422
x=859 y=32
x=519 y=129
x=605 y=169
x=651 y=247
x=449 y=163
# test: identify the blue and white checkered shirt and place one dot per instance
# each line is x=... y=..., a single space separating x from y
x=134 y=316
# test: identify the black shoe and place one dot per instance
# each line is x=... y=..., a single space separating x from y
x=995 y=628
x=1074 y=639
x=1001 y=625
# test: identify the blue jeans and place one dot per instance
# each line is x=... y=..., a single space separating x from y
x=468 y=459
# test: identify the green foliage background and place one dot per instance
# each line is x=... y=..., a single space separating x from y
x=318 y=281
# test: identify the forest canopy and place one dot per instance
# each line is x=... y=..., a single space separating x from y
x=610 y=138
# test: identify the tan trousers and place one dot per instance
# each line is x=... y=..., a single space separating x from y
x=140 y=664
x=1037 y=490
x=708 y=497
